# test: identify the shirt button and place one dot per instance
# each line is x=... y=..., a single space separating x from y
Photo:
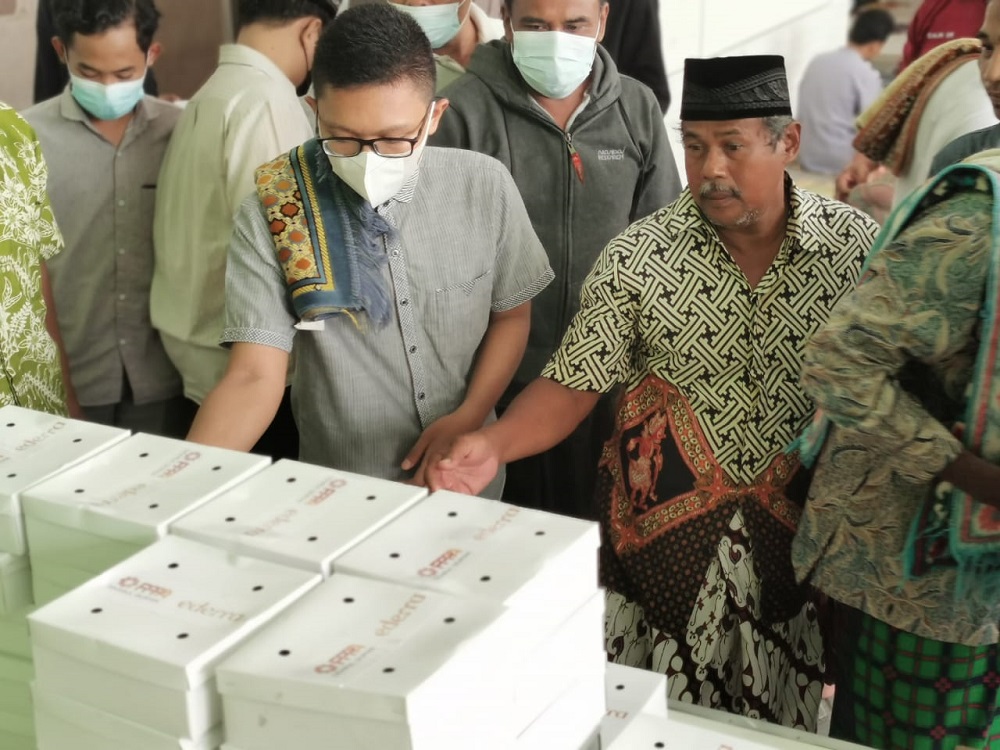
x=395 y=253
x=121 y=297
x=413 y=350
x=121 y=202
x=121 y=251
x=404 y=302
x=421 y=396
x=122 y=342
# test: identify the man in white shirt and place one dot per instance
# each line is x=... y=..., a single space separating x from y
x=247 y=113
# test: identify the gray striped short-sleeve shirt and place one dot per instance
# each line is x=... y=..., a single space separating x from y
x=464 y=248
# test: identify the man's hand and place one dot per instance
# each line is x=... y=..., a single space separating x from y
x=854 y=174
x=435 y=442
x=468 y=467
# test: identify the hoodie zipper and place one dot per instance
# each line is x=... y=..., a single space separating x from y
x=574 y=157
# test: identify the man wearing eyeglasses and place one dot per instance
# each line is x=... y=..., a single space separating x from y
x=246 y=113
x=408 y=305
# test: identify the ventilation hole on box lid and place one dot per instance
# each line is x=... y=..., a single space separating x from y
x=284 y=652
x=348 y=600
x=77 y=440
x=258 y=588
x=389 y=670
x=449 y=620
x=619 y=687
x=11 y=476
x=370 y=497
x=79 y=492
x=291 y=480
x=659 y=744
x=394 y=555
x=172 y=566
x=10 y=424
x=539 y=533
x=96 y=611
x=216 y=468
x=143 y=455
x=484 y=579
x=182 y=636
x=312 y=539
x=452 y=514
x=154 y=506
x=230 y=519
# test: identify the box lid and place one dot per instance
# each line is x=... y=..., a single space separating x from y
x=133 y=490
x=169 y=613
x=298 y=514
x=35 y=445
x=471 y=546
x=364 y=648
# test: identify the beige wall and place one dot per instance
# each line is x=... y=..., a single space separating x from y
x=17 y=51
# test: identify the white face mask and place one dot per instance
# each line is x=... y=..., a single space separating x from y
x=441 y=23
x=379 y=178
x=554 y=63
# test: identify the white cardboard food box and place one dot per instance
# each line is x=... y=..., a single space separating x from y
x=539 y=562
x=14 y=637
x=141 y=641
x=298 y=514
x=569 y=723
x=62 y=724
x=33 y=446
x=15 y=583
x=365 y=664
x=666 y=734
x=112 y=505
x=629 y=692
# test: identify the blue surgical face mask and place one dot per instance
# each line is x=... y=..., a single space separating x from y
x=107 y=101
x=441 y=23
x=554 y=63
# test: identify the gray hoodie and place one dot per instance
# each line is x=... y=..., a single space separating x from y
x=628 y=171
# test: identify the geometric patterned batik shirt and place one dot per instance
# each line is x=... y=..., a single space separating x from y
x=712 y=398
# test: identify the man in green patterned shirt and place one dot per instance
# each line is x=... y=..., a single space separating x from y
x=701 y=311
x=902 y=523
x=33 y=365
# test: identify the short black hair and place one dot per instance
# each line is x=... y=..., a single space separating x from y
x=510 y=4
x=88 y=17
x=282 y=11
x=871 y=26
x=374 y=44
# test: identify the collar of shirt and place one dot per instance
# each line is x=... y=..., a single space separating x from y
x=803 y=230
x=240 y=54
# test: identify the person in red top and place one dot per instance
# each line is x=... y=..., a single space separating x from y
x=940 y=21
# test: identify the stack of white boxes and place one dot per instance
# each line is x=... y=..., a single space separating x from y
x=127 y=660
x=541 y=567
x=298 y=514
x=102 y=511
x=482 y=605
x=33 y=446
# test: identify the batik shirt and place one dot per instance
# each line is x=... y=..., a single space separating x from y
x=31 y=373
x=891 y=367
x=711 y=367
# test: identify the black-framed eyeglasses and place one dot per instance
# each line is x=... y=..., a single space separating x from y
x=390 y=148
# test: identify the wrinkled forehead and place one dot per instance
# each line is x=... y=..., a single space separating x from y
x=555 y=11
x=716 y=129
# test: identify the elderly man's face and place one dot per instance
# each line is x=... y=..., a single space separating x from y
x=736 y=169
x=989 y=60
x=580 y=17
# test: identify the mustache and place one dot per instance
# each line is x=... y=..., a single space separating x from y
x=708 y=189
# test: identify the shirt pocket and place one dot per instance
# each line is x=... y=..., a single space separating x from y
x=464 y=304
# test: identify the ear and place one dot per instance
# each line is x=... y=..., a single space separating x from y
x=155 y=49
x=440 y=107
x=791 y=141
x=605 y=11
x=60 y=49
x=508 y=24
x=311 y=32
